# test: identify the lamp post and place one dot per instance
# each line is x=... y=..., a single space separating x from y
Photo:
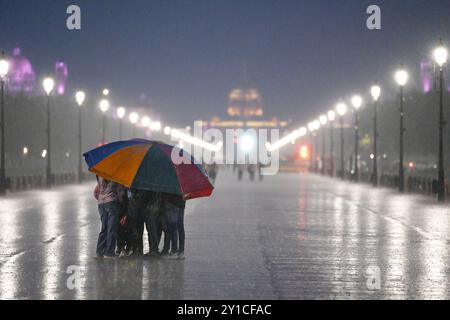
x=375 y=91
x=331 y=117
x=356 y=103
x=341 y=109
x=323 y=121
x=4 y=69
x=316 y=125
x=49 y=85
x=79 y=97
x=120 y=114
x=104 y=106
x=401 y=77
x=440 y=56
x=134 y=118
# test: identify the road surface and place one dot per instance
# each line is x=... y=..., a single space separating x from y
x=290 y=236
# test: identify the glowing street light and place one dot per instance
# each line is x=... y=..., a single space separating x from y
x=155 y=126
x=341 y=109
x=25 y=151
x=145 y=121
x=356 y=103
x=104 y=107
x=440 y=57
x=134 y=118
x=375 y=91
x=80 y=97
x=121 y=111
x=105 y=92
x=4 y=69
x=49 y=85
x=401 y=77
x=167 y=130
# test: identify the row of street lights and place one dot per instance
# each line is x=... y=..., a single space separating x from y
x=48 y=86
x=401 y=77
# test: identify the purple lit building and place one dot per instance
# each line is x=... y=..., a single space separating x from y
x=61 y=74
x=22 y=77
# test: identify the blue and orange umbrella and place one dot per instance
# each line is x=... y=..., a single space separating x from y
x=150 y=165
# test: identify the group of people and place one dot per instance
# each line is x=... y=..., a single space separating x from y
x=125 y=213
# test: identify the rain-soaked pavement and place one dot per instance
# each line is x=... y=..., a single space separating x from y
x=289 y=237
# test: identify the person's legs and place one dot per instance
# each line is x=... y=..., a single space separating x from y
x=173 y=232
x=165 y=229
x=181 y=235
x=151 y=226
x=101 y=243
x=113 y=220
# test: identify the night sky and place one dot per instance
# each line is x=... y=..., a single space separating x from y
x=186 y=55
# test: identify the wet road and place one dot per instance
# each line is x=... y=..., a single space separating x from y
x=289 y=237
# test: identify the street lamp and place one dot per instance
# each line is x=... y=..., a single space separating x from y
x=104 y=106
x=79 y=97
x=356 y=103
x=323 y=121
x=4 y=69
x=105 y=92
x=316 y=126
x=134 y=118
x=440 y=56
x=121 y=111
x=401 y=77
x=331 y=117
x=375 y=91
x=49 y=85
x=341 y=109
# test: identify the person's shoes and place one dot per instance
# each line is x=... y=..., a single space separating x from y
x=109 y=257
x=99 y=257
x=151 y=254
x=170 y=256
x=181 y=256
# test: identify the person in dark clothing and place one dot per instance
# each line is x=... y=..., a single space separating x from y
x=153 y=222
x=123 y=245
x=174 y=215
x=136 y=216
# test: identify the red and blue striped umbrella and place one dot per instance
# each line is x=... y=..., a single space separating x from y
x=148 y=165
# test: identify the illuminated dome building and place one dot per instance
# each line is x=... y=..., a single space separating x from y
x=245 y=110
x=22 y=77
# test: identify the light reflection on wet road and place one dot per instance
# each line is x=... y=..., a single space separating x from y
x=288 y=237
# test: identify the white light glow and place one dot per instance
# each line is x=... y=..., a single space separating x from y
x=195 y=141
x=121 y=111
x=79 y=97
x=246 y=143
x=104 y=105
x=294 y=135
x=167 y=130
x=331 y=115
x=375 y=91
x=145 y=121
x=48 y=84
x=323 y=119
x=341 y=109
x=356 y=102
x=440 y=56
x=44 y=153
x=134 y=117
x=105 y=92
x=401 y=77
x=4 y=68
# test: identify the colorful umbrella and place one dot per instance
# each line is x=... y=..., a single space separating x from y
x=148 y=165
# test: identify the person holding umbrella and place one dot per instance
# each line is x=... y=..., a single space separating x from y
x=143 y=166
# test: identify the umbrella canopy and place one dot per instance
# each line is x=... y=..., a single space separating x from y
x=148 y=165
